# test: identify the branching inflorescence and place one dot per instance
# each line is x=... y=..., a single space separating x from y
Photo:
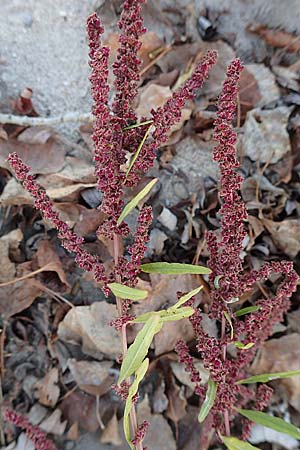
x=114 y=138
x=117 y=134
x=228 y=282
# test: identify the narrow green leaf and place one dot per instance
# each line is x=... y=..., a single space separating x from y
x=122 y=291
x=174 y=268
x=135 y=201
x=139 y=348
x=136 y=154
x=186 y=297
x=208 y=401
x=169 y=315
x=242 y=346
x=143 y=318
x=137 y=125
x=233 y=443
x=275 y=423
x=228 y=318
x=248 y=310
x=216 y=281
x=139 y=375
x=265 y=377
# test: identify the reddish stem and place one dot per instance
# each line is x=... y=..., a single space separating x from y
x=224 y=349
x=132 y=414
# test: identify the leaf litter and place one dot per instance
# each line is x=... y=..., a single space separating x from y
x=84 y=347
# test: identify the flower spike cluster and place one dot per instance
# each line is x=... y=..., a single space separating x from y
x=34 y=433
x=228 y=282
x=225 y=259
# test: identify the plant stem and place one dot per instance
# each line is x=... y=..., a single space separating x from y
x=132 y=414
x=224 y=347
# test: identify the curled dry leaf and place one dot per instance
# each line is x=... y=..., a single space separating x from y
x=281 y=355
x=14 y=194
x=46 y=256
x=47 y=388
x=285 y=235
x=20 y=294
x=265 y=136
x=249 y=93
x=89 y=327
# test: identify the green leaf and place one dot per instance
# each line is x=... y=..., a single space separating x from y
x=275 y=423
x=136 y=154
x=216 y=281
x=139 y=348
x=249 y=309
x=143 y=318
x=265 y=377
x=122 y=291
x=135 y=201
x=228 y=318
x=170 y=315
x=174 y=268
x=235 y=444
x=139 y=375
x=186 y=297
x=242 y=346
x=137 y=125
x=208 y=401
x=166 y=315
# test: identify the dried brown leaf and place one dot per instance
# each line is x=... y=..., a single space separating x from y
x=89 y=326
x=53 y=424
x=281 y=355
x=17 y=297
x=277 y=38
x=265 y=136
x=89 y=372
x=285 y=235
x=110 y=434
x=48 y=157
x=177 y=402
x=47 y=388
x=46 y=256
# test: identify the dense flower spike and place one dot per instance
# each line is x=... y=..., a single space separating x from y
x=141 y=432
x=126 y=67
x=169 y=114
x=228 y=282
x=108 y=153
x=34 y=433
x=225 y=259
x=185 y=358
x=70 y=240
